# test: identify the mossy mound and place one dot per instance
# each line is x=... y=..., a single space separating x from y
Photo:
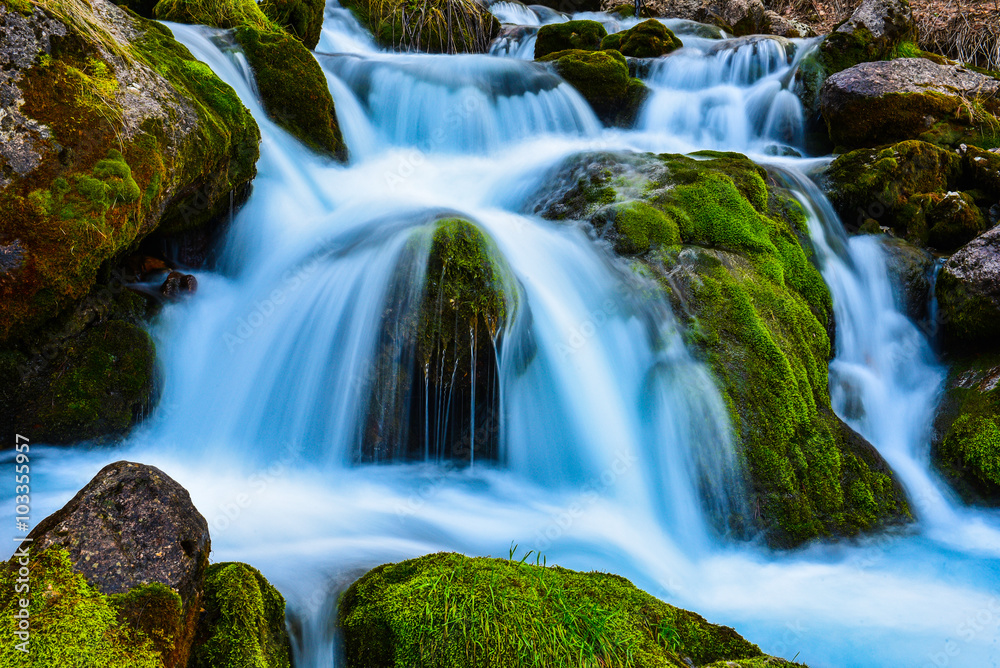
x=104 y=170
x=292 y=85
x=74 y=624
x=441 y=347
x=967 y=444
x=926 y=194
x=583 y=35
x=98 y=385
x=294 y=88
x=649 y=39
x=758 y=312
x=243 y=622
x=438 y=26
x=602 y=78
x=449 y=610
x=302 y=18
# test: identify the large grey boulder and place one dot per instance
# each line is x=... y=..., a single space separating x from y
x=877 y=103
x=131 y=525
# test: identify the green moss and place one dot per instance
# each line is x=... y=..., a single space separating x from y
x=880 y=184
x=217 y=13
x=302 y=18
x=953 y=221
x=450 y=610
x=468 y=287
x=243 y=623
x=969 y=318
x=155 y=611
x=582 y=35
x=602 y=79
x=72 y=623
x=293 y=88
x=104 y=382
x=649 y=39
x=759 y=313
x=640 y=226
x=967 y=449
x=436 y=26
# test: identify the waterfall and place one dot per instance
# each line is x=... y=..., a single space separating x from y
x=613 y=448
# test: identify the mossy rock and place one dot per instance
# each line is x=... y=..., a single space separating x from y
x=293 y=88
x=649 y=39
x=758 y=312
x=582 y=35
x=439 y=26
x=953 y=221
x=449 y=610
x=97 y=386
x=243 y=621
x=292 y=85
x=74 y=624
x=874 y=31
x=968 y=294
x=92 y=184
x=602 y=78
x=302 y=18
x=967 y=429
x=880 y=183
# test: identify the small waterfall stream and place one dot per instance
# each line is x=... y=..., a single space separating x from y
x=611 y=433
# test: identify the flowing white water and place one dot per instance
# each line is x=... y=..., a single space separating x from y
x=611 y=432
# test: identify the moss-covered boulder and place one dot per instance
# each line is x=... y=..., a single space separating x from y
x=602 y=78
x=967 y=429
x=449 y=610
x=73 y=623
x=730 y=249
x=878 y=103
x=302 y=18
x=906 y=186
x=582 y=35
x=292 y=85
x=649 y=39
x=968 y=292
x=437 y=26
x=243 y=621
x=441 y=347
x=88 y=168
x=873 y=32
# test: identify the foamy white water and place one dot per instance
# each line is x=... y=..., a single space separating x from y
x=609 y=425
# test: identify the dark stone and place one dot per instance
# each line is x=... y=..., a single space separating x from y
x=131 y=525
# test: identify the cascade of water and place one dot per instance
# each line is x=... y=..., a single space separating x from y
x=615 y=451
x=731 y=95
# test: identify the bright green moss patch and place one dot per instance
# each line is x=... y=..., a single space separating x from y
x=154 y=610
x=72 y=623
x=583 y=35
x=243 y=623
x=757 y=311
x=602 y=78
x=448 y=610
x=649 y=39
x=975 y=442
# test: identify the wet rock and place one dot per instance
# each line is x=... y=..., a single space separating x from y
x=602 y=78
x=583 y=35
x=649 y=39
x=873 y=32
x=730 y=249
x=912 y=269
x=968 y=292
x=178 y=284
x=966 y=445
x=82 y=181
x=877 y=103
